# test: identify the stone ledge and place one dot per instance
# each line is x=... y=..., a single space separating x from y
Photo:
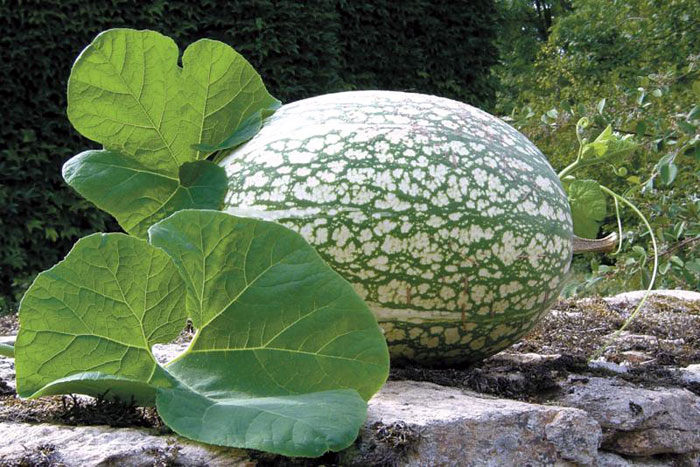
x=455 y=427
x=28 y=444
x=620 y=411
x=447 y=425
x=637 y=421
x=420 y=423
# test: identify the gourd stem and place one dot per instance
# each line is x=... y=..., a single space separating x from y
x=7 y=351
x=634 y=314
x=595 y=245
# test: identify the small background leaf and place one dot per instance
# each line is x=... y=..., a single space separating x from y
x=609 y=146
x=601 y=106
x=668 y=173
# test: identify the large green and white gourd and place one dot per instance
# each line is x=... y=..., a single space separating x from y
x=448 y=222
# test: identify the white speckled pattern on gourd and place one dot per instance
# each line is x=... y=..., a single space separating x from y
x=449 y=223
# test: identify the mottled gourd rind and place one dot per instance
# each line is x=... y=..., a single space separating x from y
x=448 y=222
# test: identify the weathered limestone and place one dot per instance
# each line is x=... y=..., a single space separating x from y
x=167 y=352
x=455 y=427
x=102 y=445
x=426 y=424
x=691 y=374
x=634 y=296
x=593 y=416
x=637 y=421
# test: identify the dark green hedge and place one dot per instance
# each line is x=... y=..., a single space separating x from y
x=300 y=48
x=435 y=47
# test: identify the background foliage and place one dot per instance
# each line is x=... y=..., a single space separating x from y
x=301 y=49
x=632 y=64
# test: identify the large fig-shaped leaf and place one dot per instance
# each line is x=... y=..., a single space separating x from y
x=99 y=311
x=285 y=354
x=127 y=92
x=285 y=349
x=306 y=424
x=139 y=196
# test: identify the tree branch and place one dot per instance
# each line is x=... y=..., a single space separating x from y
x=679 y=245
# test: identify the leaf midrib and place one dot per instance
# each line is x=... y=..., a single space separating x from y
x=137 y=100
x=131 y=169
x=206 y=104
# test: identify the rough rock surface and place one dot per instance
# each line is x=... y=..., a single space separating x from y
x=691 y=374
x=7 y=375
x=635 y=296
x=540 y=403
x=635 y=420
x=409 y=422
x=165 y=353
x=44 y=444
x=609 y=459
x=452 y=426
x=414 y=423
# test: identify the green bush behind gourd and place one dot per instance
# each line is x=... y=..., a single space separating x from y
x=634 y=65
x=301 y=49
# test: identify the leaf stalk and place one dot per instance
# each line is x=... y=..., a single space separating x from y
x=7 y=350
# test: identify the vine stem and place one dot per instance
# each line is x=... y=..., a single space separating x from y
x=634 y=314
x=619 y=226
x=568 y=169
x=577 y=164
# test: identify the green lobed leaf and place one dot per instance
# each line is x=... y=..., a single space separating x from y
x=223 y=89
x=296 y=342
x=142 y=393
x=608 y=146
x=244 y=132
x=127 y=92
x=588 y=207
x=138 y=196
x=285 y=354
x=124 y=92
x=293 y=425
x=99 y=311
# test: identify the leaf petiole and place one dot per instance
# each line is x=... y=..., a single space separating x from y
x=7 y=350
